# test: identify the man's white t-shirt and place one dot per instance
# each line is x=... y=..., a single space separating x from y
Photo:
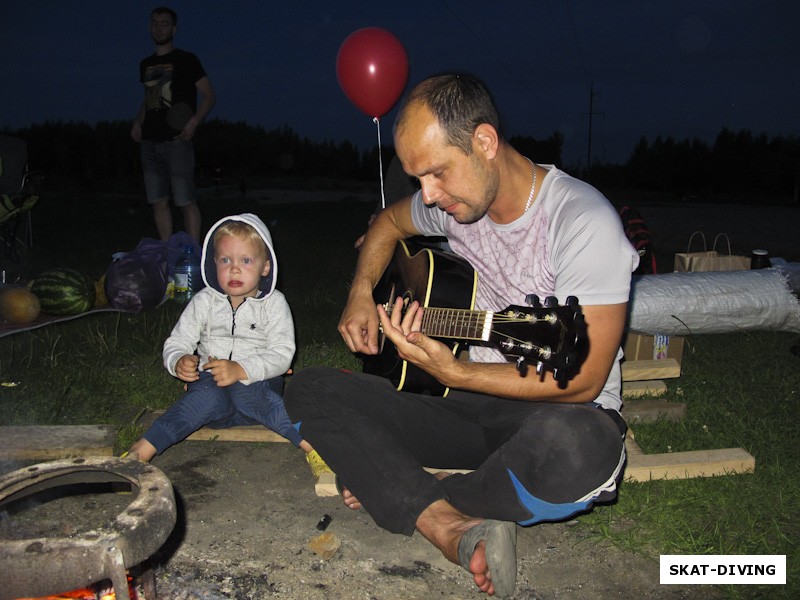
x=570 y=243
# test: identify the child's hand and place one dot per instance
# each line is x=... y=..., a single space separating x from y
x=186 y=368
x=225 y=372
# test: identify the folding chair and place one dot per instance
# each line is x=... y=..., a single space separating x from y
x=19 y=193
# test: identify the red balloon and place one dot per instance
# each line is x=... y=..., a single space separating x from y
x=372 y=68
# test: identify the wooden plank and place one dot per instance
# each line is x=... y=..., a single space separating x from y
x=641 y=467
x=326 y=485
x=51 y=442
x=637 y=389
x=631 y=447
x=639 y=370
x=650 y=409
x=240 y=433
x=686 y=465
x=435 y=470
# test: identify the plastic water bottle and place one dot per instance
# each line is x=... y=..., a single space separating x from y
x=188 y=277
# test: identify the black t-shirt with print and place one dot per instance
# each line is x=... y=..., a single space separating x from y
x=170 y=94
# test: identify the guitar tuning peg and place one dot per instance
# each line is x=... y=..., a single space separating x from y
x=522 y=366
x=539 y=368
x=572 y=302
x=550 y=302
x=533 y=300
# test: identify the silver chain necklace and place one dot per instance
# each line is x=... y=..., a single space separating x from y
x=533 y=187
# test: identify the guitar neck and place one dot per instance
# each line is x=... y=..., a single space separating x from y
x=457 y=324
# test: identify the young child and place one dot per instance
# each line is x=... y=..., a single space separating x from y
x=231 y=345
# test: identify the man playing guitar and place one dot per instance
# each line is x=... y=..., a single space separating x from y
x=538 y=449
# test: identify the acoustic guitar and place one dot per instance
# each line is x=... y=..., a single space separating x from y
x=551 y=336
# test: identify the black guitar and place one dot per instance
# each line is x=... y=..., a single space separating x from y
x=548 y=335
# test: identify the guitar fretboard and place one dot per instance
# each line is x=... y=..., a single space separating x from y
x=457 y=324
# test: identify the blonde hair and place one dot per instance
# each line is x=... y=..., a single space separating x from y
x=243 y=231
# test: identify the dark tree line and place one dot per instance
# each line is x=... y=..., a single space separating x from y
x=738 y=166
x=80 y=156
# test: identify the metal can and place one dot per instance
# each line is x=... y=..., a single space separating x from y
x=759 y=259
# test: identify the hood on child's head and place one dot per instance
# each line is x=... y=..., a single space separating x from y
x=268 y=282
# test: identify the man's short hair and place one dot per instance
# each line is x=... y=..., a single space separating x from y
x=459 y=102
x=161 y=10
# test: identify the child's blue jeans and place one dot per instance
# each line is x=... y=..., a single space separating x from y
x=205 y=403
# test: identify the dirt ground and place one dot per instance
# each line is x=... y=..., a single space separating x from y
x=247 y=511
x=246 y=515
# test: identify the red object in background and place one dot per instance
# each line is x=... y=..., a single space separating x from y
x=372 y=68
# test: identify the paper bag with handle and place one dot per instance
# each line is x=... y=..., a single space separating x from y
x=706 y=260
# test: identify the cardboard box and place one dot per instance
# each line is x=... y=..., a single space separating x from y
x=639 y=346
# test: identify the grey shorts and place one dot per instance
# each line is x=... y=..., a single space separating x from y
x=168 y=171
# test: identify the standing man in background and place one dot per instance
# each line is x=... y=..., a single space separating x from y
x=166 y=124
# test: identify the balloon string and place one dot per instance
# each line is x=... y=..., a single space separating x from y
x=377 y=122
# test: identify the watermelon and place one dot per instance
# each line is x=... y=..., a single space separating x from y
x=64 y=291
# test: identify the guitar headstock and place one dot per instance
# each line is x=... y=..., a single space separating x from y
x=548 y=335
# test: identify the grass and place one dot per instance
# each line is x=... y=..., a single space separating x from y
x=106 y=368
x=741 y=389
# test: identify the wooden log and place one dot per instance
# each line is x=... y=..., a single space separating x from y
x=51 y=442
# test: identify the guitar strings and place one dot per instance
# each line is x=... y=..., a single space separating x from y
x=439 y=322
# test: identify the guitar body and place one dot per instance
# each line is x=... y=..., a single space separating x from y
x=434 y=278
x=545 y=334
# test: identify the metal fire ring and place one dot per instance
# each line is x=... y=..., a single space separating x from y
x=43 y=566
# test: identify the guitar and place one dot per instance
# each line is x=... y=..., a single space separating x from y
x=550 y=336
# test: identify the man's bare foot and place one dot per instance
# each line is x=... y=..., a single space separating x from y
x=445 y=527
x=489 y=552
x=480 y=569
x=350 y=501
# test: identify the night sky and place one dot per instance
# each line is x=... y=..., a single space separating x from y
x=683 y=68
